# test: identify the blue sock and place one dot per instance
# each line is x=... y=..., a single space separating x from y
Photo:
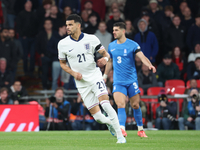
x=122 y=116
x=138 y=116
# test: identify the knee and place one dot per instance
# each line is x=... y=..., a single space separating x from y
x=197 y=120
x=181 y=120
x=121 y=104
x=135 y=105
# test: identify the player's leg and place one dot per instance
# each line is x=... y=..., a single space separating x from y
x=133 y=91
x=119 y=94
x=92 y=104
x=105 y=103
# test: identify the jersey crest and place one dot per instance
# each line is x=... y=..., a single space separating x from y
x=87 y=46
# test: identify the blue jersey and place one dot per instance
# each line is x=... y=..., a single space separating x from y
x=123 y=56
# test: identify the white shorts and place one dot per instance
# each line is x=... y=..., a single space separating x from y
x=90 y=94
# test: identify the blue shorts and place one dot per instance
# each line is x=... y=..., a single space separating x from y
x=128 y=89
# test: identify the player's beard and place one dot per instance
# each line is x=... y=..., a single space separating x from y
x=118 y=37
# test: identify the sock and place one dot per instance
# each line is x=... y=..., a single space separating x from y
x=138 y=118
x=122 y=116
x=100 y=118
x=113 y=116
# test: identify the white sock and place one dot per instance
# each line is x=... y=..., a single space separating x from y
x=113 y=116
x=100 y=118
x=140 y=128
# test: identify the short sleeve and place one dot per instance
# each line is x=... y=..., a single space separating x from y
x=109 y=52
x=136 y=47
x=97 y=44
x=61 y=55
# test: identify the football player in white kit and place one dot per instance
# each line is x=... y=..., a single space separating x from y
x=79 y=48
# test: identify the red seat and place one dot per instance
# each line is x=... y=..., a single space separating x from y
x=154 y=102
x=175 y=83
x=141 y=91
x=176 y=90
x=188 y=84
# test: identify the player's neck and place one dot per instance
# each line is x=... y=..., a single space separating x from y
x=121 y=40
x=76 y=35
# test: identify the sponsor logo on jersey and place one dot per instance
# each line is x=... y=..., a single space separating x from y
x=87 y=46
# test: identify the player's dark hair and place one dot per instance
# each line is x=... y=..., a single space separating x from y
x=74 y=17
x=121 y=25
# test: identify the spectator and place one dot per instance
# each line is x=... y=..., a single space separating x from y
x=98 y=6
x=109 y=14
x=187 y=19
x=146 y=79
x=193 y=69
x=55 y=17
x=193 y=35
x=193 y=55
x=85 y=20
x=26 y=27
x=167 y=19
x=165 y=113
x=11 y=15
x=138 y=64
x=43 y=12
x=130 y=31
x=147 y=41
x=88 y=6
x=175 y=35
x=5 y=75
x=193 y=85
x=104 y=36
x=120 y=3
x=74 y=5
x=155 y=12
x=179 y=60
x=56 y=69
x=133 y=9
x=17 y=91
x=182 y=7
x=19 y=49
x=46 y=45
x=163 y=3
x=191 y=117
x=58 y=111
x=66 y=12
x=116 y=18
x=83 y=120
x=8 y=50
x=150 y=22
x=93 y=24
x=4 y=98
x=167 y=70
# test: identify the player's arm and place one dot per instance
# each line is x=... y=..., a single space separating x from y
x=67 y=69
x=145 y=60
x=109 y=66
x=105 y=57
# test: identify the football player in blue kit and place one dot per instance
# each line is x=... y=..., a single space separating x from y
x=122 y=58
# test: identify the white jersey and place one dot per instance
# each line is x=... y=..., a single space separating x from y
x=80 y=55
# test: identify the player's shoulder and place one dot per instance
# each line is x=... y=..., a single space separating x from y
x=129 y=41
x=64 y=41
x=90 y=36
x=113 y=43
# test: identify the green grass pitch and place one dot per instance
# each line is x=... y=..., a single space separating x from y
x=99 y=140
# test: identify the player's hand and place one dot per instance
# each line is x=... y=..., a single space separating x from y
x=189 y=119
x=152 y=68
x=77 y=76
x=102 y=62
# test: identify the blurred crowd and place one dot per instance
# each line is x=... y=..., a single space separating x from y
x=168 y=32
